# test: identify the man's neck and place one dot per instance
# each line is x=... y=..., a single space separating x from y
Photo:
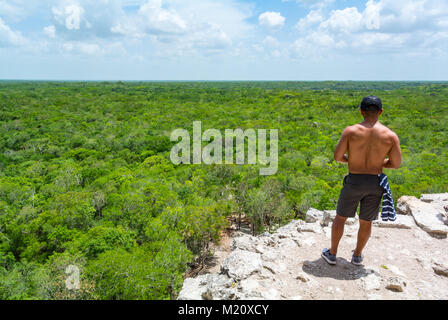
x=369 y=123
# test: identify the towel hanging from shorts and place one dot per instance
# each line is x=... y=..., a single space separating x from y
x=388 y=210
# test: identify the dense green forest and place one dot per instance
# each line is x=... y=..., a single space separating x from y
x=86 y=178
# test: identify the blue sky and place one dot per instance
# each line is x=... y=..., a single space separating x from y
x=224 y=39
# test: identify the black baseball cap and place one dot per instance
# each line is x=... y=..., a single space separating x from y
x=371 y=103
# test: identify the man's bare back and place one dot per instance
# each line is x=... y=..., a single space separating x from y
x=368 y=145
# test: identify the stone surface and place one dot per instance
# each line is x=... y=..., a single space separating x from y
x=372 y=282
x=244 y=242
x=402 y=222
x=302 y=277
x=313 y=215
x=440 y=269
x=310 y=227
x=328 y=217
x=395 y=284
x=352 y=221
x=427 y=217
x=192 y=289
x=434 y=197
x=219 y=287
x=240 y=264
x=402 y=207
x=401 y=262
x=396 y=271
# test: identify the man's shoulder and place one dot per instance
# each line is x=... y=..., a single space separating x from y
x=386 y=130
x=351 y=128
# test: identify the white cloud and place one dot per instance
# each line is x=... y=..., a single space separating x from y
x=50 y=31
x=343 y=21
x=272 y=20
x=270 y=41
x=177 y=27
x=159 y=19
x=312 y=18
x=383 y=27
x=157 y=27
x=371 y=16
x=9 y=37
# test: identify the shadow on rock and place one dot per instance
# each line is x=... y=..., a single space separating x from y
x=343 y=270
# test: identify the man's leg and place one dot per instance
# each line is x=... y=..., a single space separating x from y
x=337 y=230
x=365 y=229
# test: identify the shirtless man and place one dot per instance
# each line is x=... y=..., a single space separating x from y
x=371 y=147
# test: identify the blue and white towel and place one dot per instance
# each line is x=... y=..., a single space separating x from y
x=388 y=210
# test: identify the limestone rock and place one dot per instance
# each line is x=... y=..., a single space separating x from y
x=328 y=217
x=219 y=287
x=402 y=204
x=307 y=242
x=397 y=271
x=402 y=222
x=313 y=215
x=286 y=264
x=372 y=282
x=193 y=288
x=241 y=264
x=352 y=221
x=290 y=228
x=275 y=268
x=427 y=217
x=310 y=227
x=373 y=296
x=244 y=242
x=327 y=232
x=302 y=277
x=395 y=284
x=271 y=294
x=440 y=269
x=434 y=197
x=249 y=289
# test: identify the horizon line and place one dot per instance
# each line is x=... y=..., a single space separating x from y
x=213 y=80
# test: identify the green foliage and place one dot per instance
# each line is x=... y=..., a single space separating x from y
x=86 y=180
x=147 y=272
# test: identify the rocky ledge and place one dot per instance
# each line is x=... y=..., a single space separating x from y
x=406 y=259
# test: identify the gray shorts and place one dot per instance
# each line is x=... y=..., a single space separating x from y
x=364 y=189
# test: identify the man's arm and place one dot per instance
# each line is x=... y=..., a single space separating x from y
x=394 y=161
x=342 y=147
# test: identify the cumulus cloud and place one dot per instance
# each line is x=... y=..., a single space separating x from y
x=164 y=27
x=272 y=20
x=161 y=20
x=372 y=15
x=343 y=21
x=9 y=37
x=190 y=26
x=384 y=26
x=312 y=18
